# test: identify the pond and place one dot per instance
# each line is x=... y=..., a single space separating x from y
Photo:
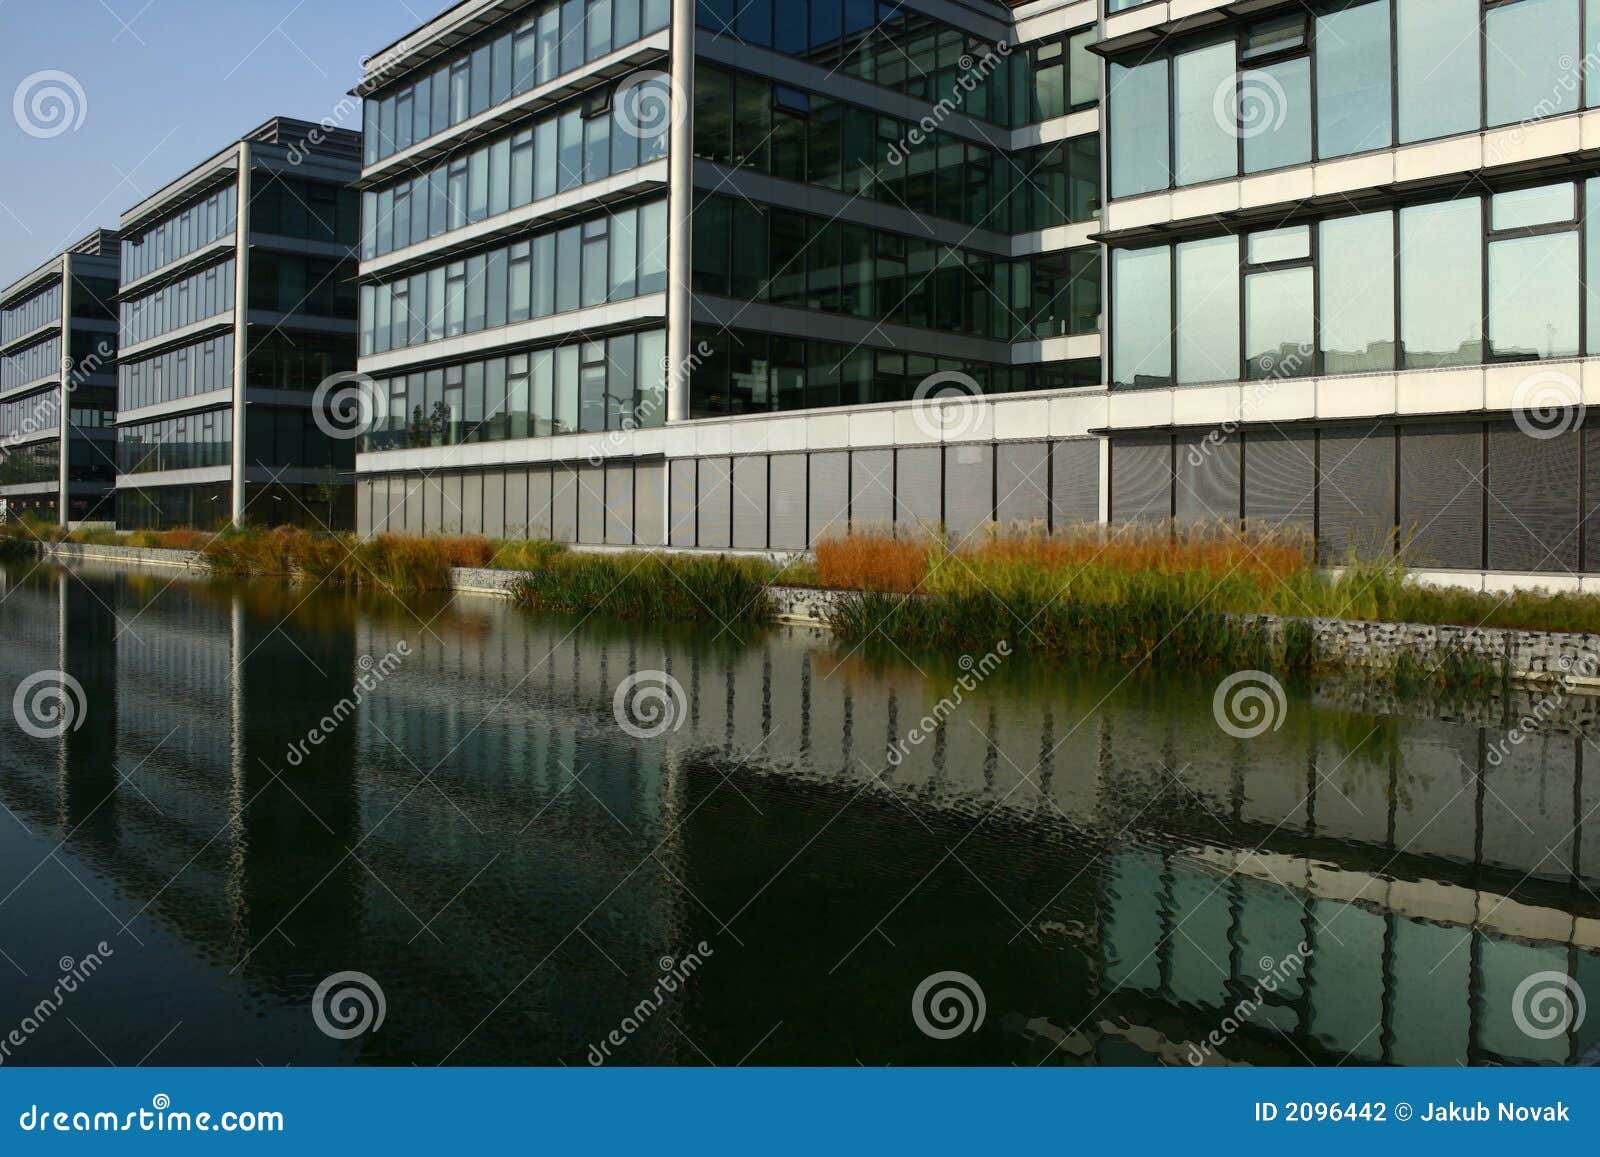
x=260 y=825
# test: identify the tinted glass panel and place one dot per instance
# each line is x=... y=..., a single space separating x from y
x=1533 y=296
x=1204 y=145
x=1278 y=324
x=1355 y=256
x=1141 y=351
x=1353 y=97
x=1437 y=63
x=1532 y=59
x=1275 y=115
x=1441 y=245
x=1138 y=128
x=1208 y=310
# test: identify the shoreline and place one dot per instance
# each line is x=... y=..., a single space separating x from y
x=1534 y=658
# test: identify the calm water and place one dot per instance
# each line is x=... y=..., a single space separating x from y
x=772 y=881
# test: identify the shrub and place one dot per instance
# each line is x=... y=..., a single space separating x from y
x=652 y=587
x=525 y=555
x=872 y=562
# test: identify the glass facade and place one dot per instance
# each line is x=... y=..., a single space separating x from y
x=749 y=122
x=616 y=383
x=201 y=295
x=556 y=39
x=177 y=373
x=287 y=206
x=35 y=363
x=919 y=56
x=544 y=157
x=37 y=414
x=42 y=309
x=763 y=253
x=746 y=372
x=180 y=234
x=1250 y=100
x=612 y=257
x=187 y=442
x=1321 y=298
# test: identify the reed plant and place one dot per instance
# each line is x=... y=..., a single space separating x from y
x=649 y=587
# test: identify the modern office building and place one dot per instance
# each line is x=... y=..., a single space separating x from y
x=1342 y=248
x=58 y=365
x=238 y=299
x=1350 y=255
x=640 y=273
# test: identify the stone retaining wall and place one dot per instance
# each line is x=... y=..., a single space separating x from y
x=70 y=552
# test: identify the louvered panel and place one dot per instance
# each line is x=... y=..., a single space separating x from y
x=414 y=500
x=716 y=503
x=1441 y=496
x=1279 y=480
x=1075 y=483
x=1022 y=483
x=871 y=490
x=591 y=505
x=450 y=504
x=1591 y=490
x=516 y=504
x=563 y=505
x=682 y=502
x=786 y=501
x=541 y=481
x=1141 y=480
x=750 y=502
x=829 y=500
x=649 y=501
x=494 y=504
x=968 y=491
x=1356 y=491
x=619 y=505
x=1207 y=489
x=435 y=499
x=1533 y=501
x=364 y=504
x=918 y=489
x=472 y=503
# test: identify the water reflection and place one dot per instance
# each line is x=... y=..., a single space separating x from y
x=475 y=832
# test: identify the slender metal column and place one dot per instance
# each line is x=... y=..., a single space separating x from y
x=241 y=326
x=680 y=209
x=63 y=479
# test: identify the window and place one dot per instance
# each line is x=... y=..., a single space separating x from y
x=1138 y=117
x=1208 y=310
x=1275 y=114
x=1533 y=274
x=1355 y=257
x=1441 y=245
x=1141 y=332
x=1204 y=146
x=1437 y=61
x=1279 y=311
x=1532 y=57
x=1353 y=97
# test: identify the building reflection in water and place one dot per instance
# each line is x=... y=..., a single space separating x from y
x=480 y=835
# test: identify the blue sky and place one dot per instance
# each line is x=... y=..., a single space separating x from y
x=165 y=84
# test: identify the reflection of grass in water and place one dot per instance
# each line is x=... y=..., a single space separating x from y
x=649 y=587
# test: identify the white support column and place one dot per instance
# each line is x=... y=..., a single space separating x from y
x=241 y=325
x=63 y=477
x=680 y=209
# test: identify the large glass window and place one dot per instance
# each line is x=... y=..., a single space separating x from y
x=1205 y=146
x=1441 y=245
x=1437 y=61
x=1532 y=58
x=1533 y=274
x=1138 y=115
x=1355 y=294
x=1353 y=93
x=1279 y=309
x=1275 y=114
x=1141 y=328
x=1208 y=310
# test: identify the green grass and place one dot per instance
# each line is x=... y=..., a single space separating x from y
x=648 y=587
x=385 y=562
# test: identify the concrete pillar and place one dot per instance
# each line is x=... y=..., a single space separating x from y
x=241 y=326
x=680 y=209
